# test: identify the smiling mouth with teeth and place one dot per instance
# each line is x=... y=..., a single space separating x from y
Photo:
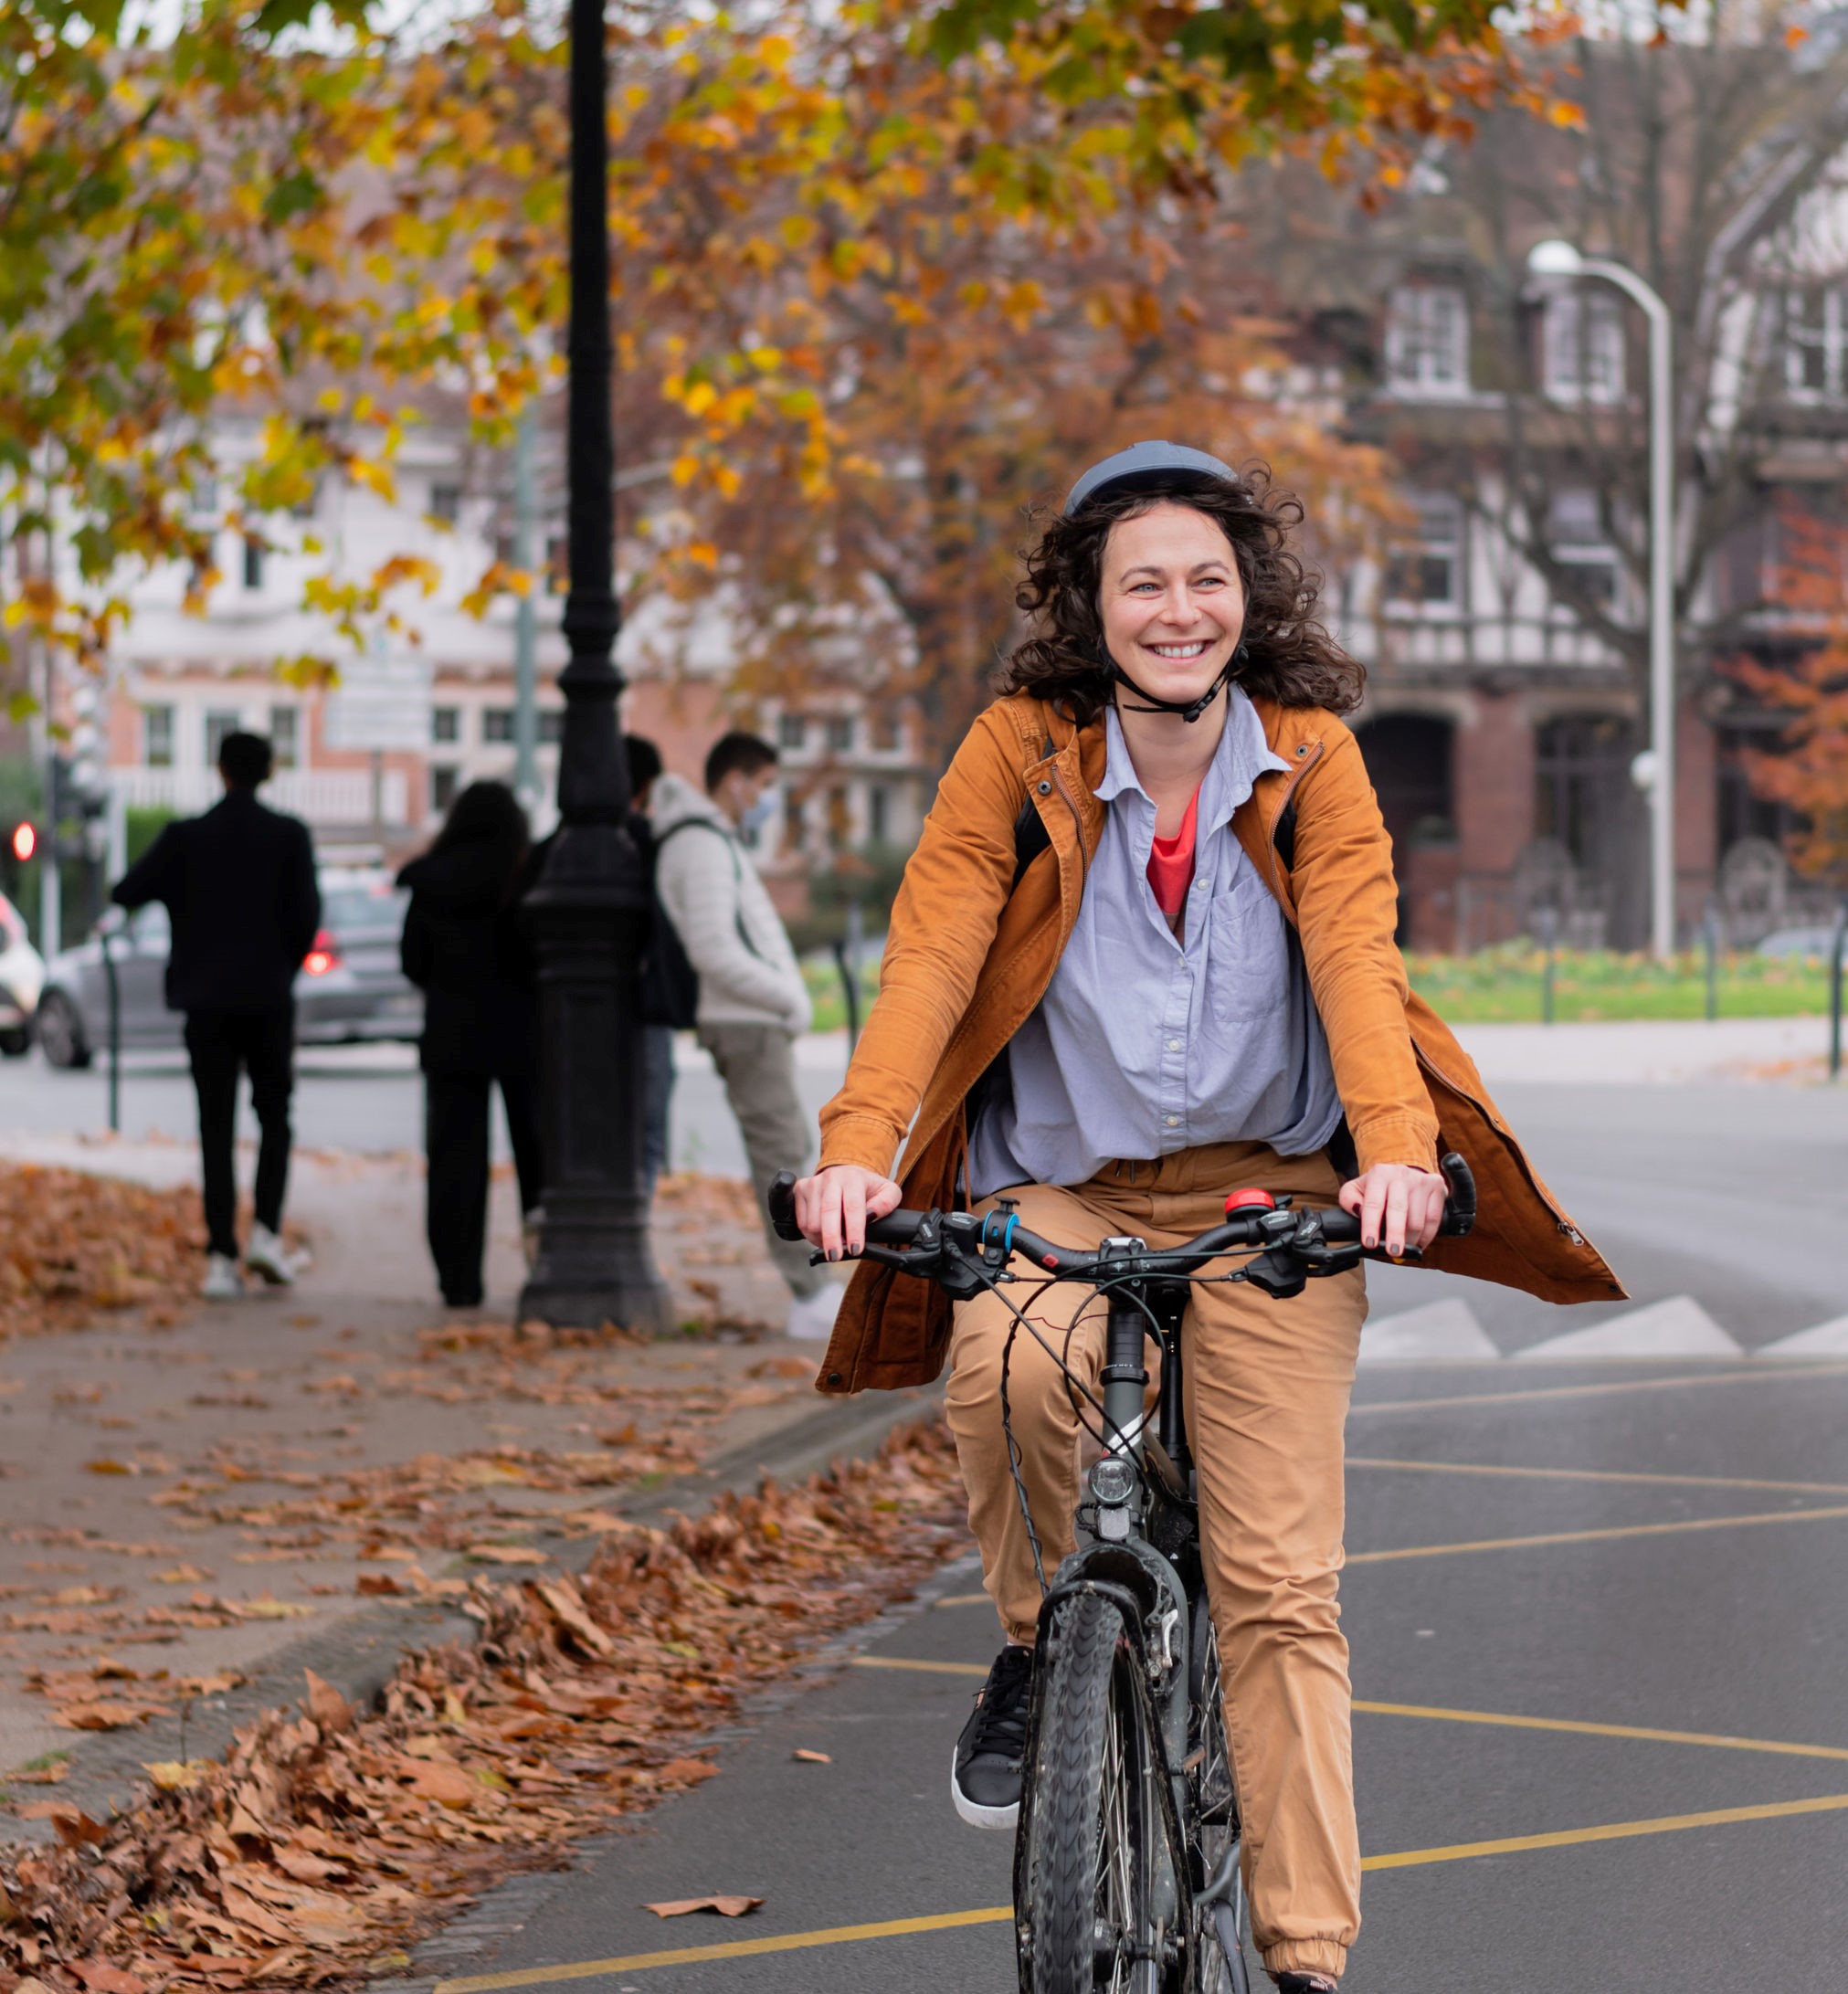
x=1179 y=650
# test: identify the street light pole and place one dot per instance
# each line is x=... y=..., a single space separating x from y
x=1556 y=258
x=590 y=909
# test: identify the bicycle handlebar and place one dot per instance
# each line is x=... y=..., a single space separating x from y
x=1001 y=1235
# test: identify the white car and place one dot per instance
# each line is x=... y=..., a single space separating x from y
x=22 y=978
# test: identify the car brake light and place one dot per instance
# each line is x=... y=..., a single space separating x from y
x=324 y=956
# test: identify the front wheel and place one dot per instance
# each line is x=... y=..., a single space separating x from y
x=1096 y=1905
x=60 y=1031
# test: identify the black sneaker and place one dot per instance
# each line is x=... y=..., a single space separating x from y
x=985 y=1774
x=1306 y=1983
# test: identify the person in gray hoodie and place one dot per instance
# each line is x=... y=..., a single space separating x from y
x=753 y=1003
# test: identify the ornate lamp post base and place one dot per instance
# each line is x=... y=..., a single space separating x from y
x=595 y=1264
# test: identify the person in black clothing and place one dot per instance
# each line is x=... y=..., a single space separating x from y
x=464 y=947
x=239 y=887
x=657 y=1025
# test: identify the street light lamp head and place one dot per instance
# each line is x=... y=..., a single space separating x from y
x=1554 y=257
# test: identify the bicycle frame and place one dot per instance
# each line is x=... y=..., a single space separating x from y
x=1144 y=1556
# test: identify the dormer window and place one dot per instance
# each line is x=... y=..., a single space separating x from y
x=1582 y=356
x=1428 y=341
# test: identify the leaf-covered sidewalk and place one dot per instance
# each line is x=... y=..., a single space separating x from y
x=192 y=1491
x=328 y=1839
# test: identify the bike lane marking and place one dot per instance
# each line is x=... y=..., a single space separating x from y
x=1732 y=1373
x=1578 y=1474
x=841 y=1934
x=1597 y=1537
x=1714 y=1740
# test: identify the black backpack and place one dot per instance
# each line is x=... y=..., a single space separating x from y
x=670 y=983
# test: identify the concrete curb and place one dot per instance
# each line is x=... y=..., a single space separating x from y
x=359 y=1652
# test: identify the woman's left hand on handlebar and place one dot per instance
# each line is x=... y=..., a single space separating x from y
x=1397 y=1206
x=834 y=1205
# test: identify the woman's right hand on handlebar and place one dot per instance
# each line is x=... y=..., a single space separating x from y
x=834 y=1205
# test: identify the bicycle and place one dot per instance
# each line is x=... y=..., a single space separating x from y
x=1126 y=1855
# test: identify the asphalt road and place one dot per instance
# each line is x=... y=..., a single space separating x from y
x=1597 y=1612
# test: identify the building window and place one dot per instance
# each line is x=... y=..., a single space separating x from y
x=446 y=723
x=285 y=736
x=253 y=563
x=840 y=734
x=888 y=733
x=794 y=822
x=1576 y=531
x=1815 y=332
x=498 y=725
x=558 y=565
x=444 y=782
x=878 y=815
x=792 y=731
x=446 y=504
x=157 y=737
x=840 y=818
x=1582 y=357
x=1427 y=571
x=1428 y=341
x=218 y=724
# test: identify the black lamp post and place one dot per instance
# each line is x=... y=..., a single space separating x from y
x=590 y=909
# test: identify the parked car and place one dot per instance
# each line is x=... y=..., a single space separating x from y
x=350 y=989
x=1817 y=941
x=22 y=976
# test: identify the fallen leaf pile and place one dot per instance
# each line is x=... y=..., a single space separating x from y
x=72 y=1244
x=327 y=1841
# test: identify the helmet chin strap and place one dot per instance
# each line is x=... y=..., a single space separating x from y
x=1189 y=710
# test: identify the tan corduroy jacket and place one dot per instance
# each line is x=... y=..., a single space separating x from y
x=970 y=954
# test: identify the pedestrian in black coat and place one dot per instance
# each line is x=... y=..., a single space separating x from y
x=240 y=888
x=464 y=947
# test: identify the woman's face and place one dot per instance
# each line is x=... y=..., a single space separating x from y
x=1170 y=600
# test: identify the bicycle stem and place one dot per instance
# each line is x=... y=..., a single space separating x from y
x=1126 y=1373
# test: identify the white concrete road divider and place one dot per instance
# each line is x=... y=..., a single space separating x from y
x=1675 y=1327
x=1440 y=1331
x=1826 y=1340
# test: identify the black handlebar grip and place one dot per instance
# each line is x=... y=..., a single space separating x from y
x=781 y=1200
x=1460 y=1213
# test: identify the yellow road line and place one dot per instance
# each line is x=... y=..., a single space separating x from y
x=1584 y=1474
x=1596 y=1536
x=1567 y=1838
x=843 y=1935
x=737 y=1948
x=923 y=1668
x=1737 y=1375
x=1715 y=1741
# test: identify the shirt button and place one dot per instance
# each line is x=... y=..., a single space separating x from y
x=1174 y=1045
x=1174 y=1121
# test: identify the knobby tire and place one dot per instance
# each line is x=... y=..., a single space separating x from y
x=1087 y=1866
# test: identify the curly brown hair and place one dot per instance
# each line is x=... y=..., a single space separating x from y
x=1286 y=655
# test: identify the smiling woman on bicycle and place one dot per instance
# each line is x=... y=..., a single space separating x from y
x=1143 y=958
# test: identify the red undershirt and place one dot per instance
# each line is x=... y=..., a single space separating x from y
x=1171 y=864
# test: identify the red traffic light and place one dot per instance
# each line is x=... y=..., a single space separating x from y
x=25 y=841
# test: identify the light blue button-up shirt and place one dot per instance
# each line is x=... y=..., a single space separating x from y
x=1146 y=1043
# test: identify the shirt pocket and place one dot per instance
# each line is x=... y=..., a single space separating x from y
x=1246 y=974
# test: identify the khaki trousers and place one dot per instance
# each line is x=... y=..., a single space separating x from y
x=1267 y=1385
x=757 y=1064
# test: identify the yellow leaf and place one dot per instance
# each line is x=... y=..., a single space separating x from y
x=686 y=468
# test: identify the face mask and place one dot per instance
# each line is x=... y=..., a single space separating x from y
x=757 y=817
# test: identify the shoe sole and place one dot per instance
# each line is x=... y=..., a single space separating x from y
x=271 y=1275
x=979 y=1817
